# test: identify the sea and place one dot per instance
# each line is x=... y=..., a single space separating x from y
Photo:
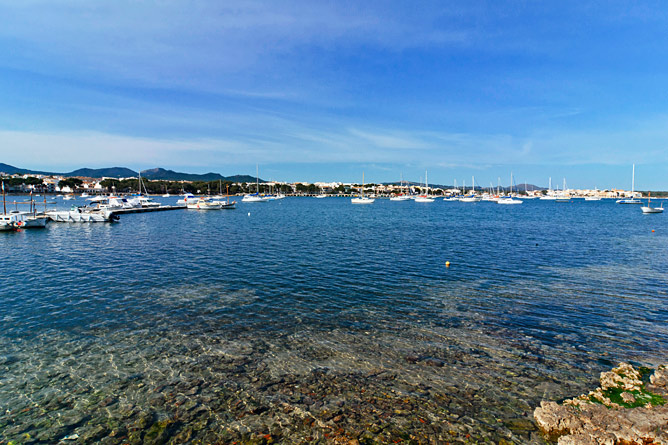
x=308 y=320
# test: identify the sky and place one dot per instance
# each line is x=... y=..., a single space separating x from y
x=325 y=90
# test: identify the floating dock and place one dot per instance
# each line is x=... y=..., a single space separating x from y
x=147 y=209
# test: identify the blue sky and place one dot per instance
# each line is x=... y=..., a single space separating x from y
x=325 y=90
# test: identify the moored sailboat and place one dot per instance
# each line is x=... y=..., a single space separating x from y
x=362 y=199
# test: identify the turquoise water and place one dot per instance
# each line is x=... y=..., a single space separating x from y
x=313 y=319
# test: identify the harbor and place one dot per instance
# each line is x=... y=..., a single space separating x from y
x=315 y=319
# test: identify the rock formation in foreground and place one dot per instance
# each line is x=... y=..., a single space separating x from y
x=629 y=408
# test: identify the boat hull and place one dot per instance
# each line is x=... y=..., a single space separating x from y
x=652 y=209
x=74 y=216
x=362 y=201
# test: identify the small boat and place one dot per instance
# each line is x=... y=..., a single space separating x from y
x=204 y=204
x=472 y=197
x=426 y=197
x=563 y=196
x=186 y=198
x=320 y=196
x=85 y=195
x=143 y=202
x=648 y=209
x=592 y=198
x=8 y=222
x=631 y=200
x=362 y=199
x=82 y=215
x=508 y=200
x=28 y=220
x=400 y=198
x=68 y=197
x=254 y=198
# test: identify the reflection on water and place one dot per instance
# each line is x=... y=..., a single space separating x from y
x=317 y=320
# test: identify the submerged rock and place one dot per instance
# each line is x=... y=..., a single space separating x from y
x=623 y=410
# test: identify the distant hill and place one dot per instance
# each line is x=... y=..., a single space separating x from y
x=11 y=170
x=171 y=175
x=113 y=172
x=122 y=172
x=516 y=188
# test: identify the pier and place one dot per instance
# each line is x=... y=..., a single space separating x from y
x=147 y=209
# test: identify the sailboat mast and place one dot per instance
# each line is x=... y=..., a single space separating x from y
x=362 y=185
x=633 y=182
x=257 y=178
x=4 y=203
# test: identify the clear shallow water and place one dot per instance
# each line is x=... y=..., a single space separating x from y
x=313 y=319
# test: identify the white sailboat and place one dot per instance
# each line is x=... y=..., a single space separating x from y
x=472 y=197
x=550 y=196
x=362 y=199
x=563 y=196
x=649 y=209
x=631 y=200
x=401 y=196
x=256 y=196
x=509 y=199
x=426 y=197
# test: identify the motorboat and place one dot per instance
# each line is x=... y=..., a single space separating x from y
x=68 y=197
x=362 y=200
x=470 y=198
x=143 y=202
x=320 y=196
x=254 y=198
x=204 y=204
x=592 y=198
x=400 y=198
x=82 y=215
x=508 y=200
x=186 y=197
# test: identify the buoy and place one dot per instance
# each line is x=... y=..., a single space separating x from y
x=447 y=264
x=248 y=213
x=652 y=230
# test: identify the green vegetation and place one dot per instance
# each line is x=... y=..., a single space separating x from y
x=30 y=180
x=72 y=183
x=642 y=398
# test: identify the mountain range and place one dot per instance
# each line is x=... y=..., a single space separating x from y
x=516 y=187
x=122 y=172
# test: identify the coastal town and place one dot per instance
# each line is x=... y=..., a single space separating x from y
x=51 y=184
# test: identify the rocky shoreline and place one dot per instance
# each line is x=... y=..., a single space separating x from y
x=629 y=408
